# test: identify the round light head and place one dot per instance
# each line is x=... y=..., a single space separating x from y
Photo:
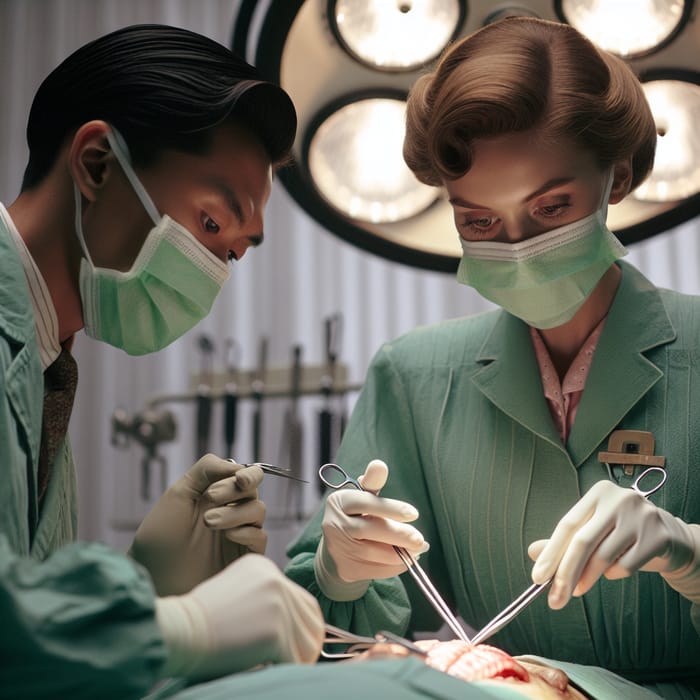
x=675 y=105
x=356 y=163
x=623 y=27
x=395 y=34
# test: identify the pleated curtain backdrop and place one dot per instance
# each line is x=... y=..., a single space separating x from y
x=282 y=291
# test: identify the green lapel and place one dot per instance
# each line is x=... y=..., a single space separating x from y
x=620 y=374
x=511 y=380
x=24 y=383
x=23 y=380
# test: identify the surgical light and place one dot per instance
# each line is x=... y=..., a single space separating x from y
x=675 y=105
x=395 y=34
x=626 y=27
x=356 y=163
x=349 y=64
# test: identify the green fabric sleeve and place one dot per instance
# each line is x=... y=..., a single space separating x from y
x=383 y=606
x=80 y=624
x=381 y=427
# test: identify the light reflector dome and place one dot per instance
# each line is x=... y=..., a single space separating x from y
x=625 y=27
x=355 y=160
x=675 y=105
x=395 y=34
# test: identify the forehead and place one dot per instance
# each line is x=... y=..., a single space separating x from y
x=511 y=166
x=235 y=156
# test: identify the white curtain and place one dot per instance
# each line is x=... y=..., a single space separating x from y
x=283 y=290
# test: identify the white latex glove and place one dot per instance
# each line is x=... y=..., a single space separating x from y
x=614 y=531
x=204 y=521
x=360 y=530
x=246 y=615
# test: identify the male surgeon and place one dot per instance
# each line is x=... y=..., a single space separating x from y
x=151 y=151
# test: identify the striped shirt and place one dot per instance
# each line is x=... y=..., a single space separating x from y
x=45 y=316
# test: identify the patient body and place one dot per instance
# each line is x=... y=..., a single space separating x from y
x=489 y=666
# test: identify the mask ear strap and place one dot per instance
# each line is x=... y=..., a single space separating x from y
x=79 y=222
x=121 y=152
x=606 y=194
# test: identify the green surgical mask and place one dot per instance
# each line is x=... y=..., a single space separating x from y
x=544 y=280
x=169 y=288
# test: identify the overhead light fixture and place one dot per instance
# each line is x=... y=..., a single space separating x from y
x=348 y=72
x=627 y=28
x=354 y=158
x=395 y=34
x=675 y=105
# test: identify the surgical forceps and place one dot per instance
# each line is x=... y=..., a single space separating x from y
x=272 y=469
x=357 y=643
x=531 y=593
x=336 y=477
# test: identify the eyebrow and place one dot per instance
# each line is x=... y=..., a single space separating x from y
x=554 y=182
x=229 y=196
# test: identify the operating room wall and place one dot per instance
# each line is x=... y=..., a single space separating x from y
x=282 y=290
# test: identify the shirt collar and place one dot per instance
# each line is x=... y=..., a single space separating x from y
x=45 y=317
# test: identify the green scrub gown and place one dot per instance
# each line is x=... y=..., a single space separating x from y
x=457 y=411
x=76 y=620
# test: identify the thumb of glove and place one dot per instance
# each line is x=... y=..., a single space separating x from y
x=375 y=476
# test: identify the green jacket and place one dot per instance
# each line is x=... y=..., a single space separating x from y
x=77 y=619
x=458 y=413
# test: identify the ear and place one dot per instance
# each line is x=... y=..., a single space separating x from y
x=90 y=158
x=622 y=179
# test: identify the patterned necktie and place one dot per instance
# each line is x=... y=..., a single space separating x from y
x=60 y=381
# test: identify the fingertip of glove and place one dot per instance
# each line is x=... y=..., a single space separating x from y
x=536 y=548
x=375 y=476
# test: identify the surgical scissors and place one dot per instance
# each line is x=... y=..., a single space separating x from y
x=531 y=593
x=334 y=476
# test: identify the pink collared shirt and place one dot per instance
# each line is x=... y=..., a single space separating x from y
x=563 y=397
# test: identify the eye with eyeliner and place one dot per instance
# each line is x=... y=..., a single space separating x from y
x=553 y=210
x=479 y=226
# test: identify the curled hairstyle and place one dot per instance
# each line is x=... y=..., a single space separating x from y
x=519 y=74
x=161 y=87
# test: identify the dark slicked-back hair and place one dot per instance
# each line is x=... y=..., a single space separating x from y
x=162 y=88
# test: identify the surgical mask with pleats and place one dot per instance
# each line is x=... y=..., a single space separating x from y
x=544 y=280
x=171 y=285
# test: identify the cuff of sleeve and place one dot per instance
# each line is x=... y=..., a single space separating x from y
x=687 y=579
x=331 y=585
x=178 y=625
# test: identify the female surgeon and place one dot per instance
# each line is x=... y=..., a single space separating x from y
x=492 y=425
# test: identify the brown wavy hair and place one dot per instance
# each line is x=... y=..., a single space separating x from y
x=519 y=74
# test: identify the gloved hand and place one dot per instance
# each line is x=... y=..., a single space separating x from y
x=360 y=530
x=204 y=521
x=614 y=531
x=248 y=614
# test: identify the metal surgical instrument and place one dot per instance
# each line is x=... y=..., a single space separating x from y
x=277 y=471
x=336 y=477
x=358 y=643
x=531 y=593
